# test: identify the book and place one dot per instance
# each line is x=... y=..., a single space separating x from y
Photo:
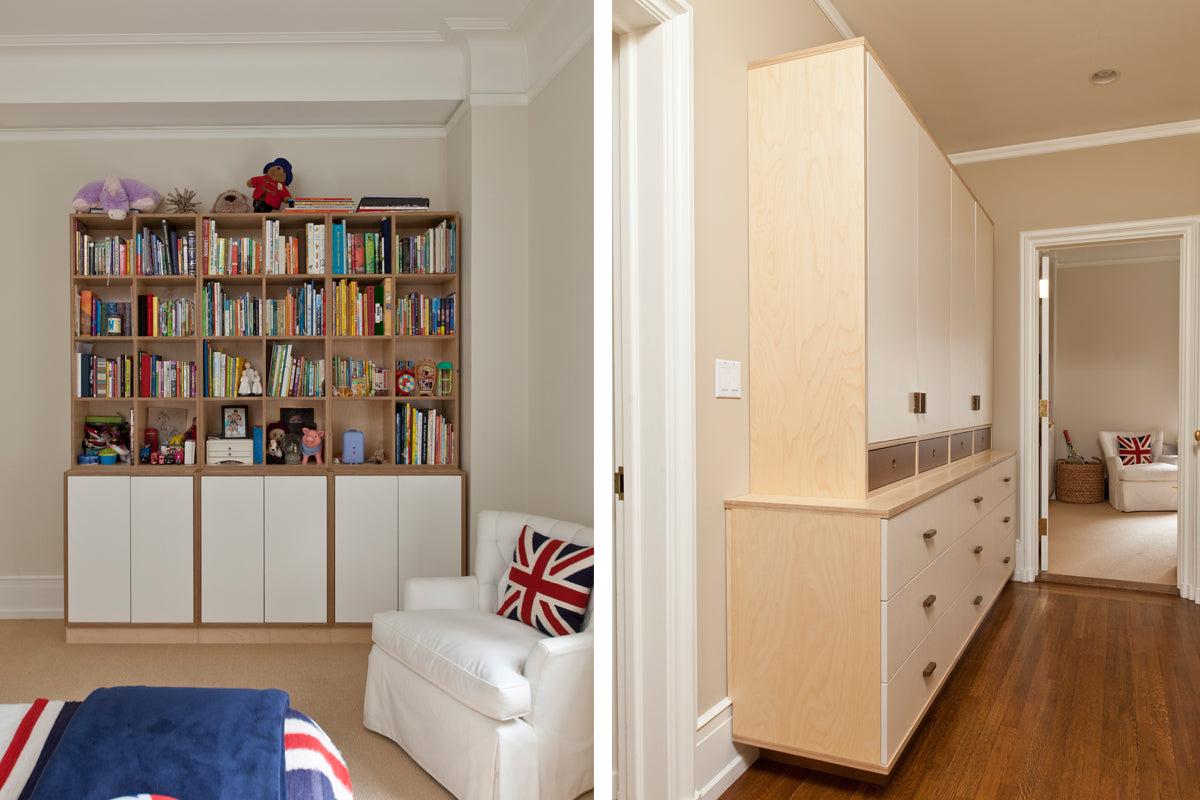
x=390 y=202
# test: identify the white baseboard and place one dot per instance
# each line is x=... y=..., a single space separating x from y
x=31 y=597
x=719 y=762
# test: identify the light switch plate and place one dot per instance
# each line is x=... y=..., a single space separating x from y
x=729 y=378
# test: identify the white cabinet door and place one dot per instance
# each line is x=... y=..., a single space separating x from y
x=231 y=549
x=98 y=548
x=295 y=544
x=365 y=525
x=984 y=241
x=963 y=325
x=430 y=529
x=891 y=261
x=934 y=268
x=161 y=547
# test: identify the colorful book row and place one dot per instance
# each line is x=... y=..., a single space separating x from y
x=98 y=376
x=420 y=315
x=354 y=377
x=98 y=317
x=163 y=317
x=242 y=255
x=423 y=437
x=301 y=312
x=231 y=316
x=294 y=375
x=162 y=377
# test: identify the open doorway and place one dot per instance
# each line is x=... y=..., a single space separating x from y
x=1114 y=369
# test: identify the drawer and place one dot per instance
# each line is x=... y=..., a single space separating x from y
x=983 y=439
x=914 y=538
x=229 y=448
x=890 y=464
x=961 y=445
x=1004 y=477
x=906 y=696
x=933 y=452
x=913 y=611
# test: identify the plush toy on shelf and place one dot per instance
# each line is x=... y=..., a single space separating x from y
x=270 y=188
x=116 y=197
x=310 y=445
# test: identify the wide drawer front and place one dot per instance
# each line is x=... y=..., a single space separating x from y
x=914 y=538
x=986 y=490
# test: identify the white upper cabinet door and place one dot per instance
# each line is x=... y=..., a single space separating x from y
x=231 y=549
x=295 y=548
x=964 y=326
x=430 y=527
x=984 y=242
x=934 y=268
x=365 y=560
x=161 y=549
x=98 y=548
x=892 y=347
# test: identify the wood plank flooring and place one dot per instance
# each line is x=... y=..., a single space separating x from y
x=1066 y=692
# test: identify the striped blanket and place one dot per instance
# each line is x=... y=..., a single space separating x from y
x=29 y=733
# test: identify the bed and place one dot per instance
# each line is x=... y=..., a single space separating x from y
x=131 y=741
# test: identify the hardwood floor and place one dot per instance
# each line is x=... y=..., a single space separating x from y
x=1065 y=692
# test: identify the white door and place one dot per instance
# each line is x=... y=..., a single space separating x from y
x=1046 y=449
x=964 y=327
x=429 y=528
x=366 y=550
x=231 y=549
x=161 y=545
x=934 y=267
x=295 y=546
x=98 y=548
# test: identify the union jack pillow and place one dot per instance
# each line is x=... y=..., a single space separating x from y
x=1134 y=450
x=549 y=583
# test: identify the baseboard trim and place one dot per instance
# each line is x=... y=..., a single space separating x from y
x=719 y=761
x=31 y=597
x=1108 y=583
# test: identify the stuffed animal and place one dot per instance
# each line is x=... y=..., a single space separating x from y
x=116 y=196
x=310 y=445
x=231 y=201
x=270 y=188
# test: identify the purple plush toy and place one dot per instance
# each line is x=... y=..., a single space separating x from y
x=116 y=196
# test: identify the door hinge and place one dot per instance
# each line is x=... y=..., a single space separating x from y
x=619 y=483
x=1043 y=525
x=1044 y=408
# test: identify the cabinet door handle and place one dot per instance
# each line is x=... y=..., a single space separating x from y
x=978 y=549
x=929 y=601
x=978 y=599
x=916 y=402
x=922 y=402
x=929 y=534
x=1007 y=520
x=1008 y=479
x=1007 y=559
x=929 y=668
x=979 y=499
x=975 y=402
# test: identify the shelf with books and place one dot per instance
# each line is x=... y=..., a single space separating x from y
x=232 y=244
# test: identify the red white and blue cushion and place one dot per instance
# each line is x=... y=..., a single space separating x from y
x=1134 y=450
x=549 y=583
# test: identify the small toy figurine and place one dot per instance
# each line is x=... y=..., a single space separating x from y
x=244 y=383
x=270 y=188
x=310 y=445
x=255 y=384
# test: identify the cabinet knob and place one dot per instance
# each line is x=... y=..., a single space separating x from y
x=978 y=549
x=1007 y=559
x=929 y=668
x=1008 y=479
x=929 y=601
x=1007 y=520
x=929 y=534
x=979 y=499
x=978 y=600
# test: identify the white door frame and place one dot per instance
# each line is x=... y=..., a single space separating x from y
x=656 y=633
x=1187 y=229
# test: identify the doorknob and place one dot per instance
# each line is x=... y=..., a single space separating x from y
x=1198 y=436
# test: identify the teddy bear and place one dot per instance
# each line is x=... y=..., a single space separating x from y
x=310 y=445
x=231 y=201
x=116 y=196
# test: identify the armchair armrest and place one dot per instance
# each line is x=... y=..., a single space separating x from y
x=441 y=593
x=559 y=671
x=1169 y=459
x=1113 y=466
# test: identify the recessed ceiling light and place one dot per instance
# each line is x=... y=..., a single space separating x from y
x=1104 y=76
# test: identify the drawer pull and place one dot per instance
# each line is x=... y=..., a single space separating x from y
x=929 y=601
x=1007 y=559
x=1007 y=520
x=978 y=549
x=1008 y=479
x=929 y=534
x=979 y=499
x=929 y=668
x=978 y=600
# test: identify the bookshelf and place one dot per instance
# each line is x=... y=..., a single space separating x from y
x=351 y=320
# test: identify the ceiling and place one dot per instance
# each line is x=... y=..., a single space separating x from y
x=997 y=73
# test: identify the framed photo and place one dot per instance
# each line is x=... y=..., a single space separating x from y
x=297 y=419
x=235 y=422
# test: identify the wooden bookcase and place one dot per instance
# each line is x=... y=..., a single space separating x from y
x=234 y=267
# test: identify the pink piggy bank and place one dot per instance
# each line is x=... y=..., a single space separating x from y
x=310 y=445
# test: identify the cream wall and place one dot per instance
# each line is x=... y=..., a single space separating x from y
x=1116 y=352
x=726 y=37
x=560 y=294
x=34 y=328
x=1136 y=181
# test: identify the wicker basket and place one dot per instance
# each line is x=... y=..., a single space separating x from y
x=1080 y=483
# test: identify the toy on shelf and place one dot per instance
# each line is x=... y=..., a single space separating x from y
x=116 y=197
x=310 y=445
x=182 y=201
x=231 y=201
x=270 y=188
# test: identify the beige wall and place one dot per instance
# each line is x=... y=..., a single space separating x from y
x=42 y=177
x=1119 y=183
x=560 y=294
x=1116 y=352
x=727 y=36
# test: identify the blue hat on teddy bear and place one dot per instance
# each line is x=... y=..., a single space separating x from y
x=283 y=164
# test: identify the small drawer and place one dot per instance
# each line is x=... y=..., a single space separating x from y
x=890 y=464
x=933 y=452
x=1004 y=477
x=961 y=445
x=983 y=439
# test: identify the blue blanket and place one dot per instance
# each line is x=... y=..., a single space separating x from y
x=192 y=744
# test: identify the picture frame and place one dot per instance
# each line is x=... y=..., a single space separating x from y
x=235 y=422
x=296 y=419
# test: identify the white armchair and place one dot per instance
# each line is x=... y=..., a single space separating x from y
x=1141 y=487
x=492 y=708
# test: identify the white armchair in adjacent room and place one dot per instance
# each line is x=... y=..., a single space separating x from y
x=492 y=708
x=1150 y=486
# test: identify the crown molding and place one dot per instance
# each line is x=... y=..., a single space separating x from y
x=478 y=24
x=1166 y=130
x=490 y=99
x=231 y=38
x=835 y=18
x=218 y=132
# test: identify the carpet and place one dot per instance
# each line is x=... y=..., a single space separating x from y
x=1094 y=540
